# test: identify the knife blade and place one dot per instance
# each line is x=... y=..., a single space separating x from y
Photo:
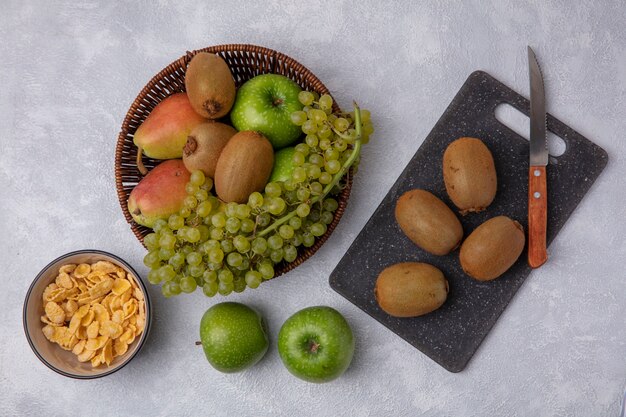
x=537 y=182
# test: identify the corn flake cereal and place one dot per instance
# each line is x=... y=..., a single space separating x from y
x=94 y=310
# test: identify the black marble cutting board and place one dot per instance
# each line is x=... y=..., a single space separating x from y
x=451 y=335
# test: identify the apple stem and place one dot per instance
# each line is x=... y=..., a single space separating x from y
x=313 y=346
x=344 y=169
x=140 y=166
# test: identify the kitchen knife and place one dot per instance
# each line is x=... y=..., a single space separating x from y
x=537 y=184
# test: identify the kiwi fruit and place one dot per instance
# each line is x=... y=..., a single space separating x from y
x=204 y=146
x=469 y=174
x=410 y=289
x=428 y=222
x=210 y=85
x=243 y=167
x=492 y=248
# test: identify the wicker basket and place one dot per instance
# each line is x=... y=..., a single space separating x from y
x=245 y=62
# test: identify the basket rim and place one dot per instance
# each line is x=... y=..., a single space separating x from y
x=180 y=64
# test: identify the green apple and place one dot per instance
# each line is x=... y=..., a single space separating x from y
x=233 y=336
x=283 y=165
x=316 y=344
x=265 y=104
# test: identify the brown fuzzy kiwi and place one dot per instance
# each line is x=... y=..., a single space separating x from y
x=492 y=248
x=244 y=166
x=469 y=174
x=428 y=222
x=210 y=85
x=410 y=289
x=204 y=146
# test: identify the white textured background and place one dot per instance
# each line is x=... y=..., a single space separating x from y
x=69 y=70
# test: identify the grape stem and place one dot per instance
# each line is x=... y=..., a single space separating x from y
x=344 y=169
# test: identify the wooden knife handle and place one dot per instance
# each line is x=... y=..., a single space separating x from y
x=537 y=216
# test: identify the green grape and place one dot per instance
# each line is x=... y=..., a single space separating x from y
x=208 y=184
x=231 y=209
x=253 y=279
x=331 y=154
x=174 y=287
x=159 y=225
x=259 y=245
x=332 y=167
x=245 y=265
x=191 y=189
x=266 y=269
x=277 y=205
x=234 y=259
x=167 y=241
x=325 y=102
x=151 y=241
x=318 y=116
x=295 y=223
x=365 y=116
x=193 y=235
x=185 y=212
x=186 y=250
x=298 y=174
x=219 y=220
x=217 y=233
x=263 y=219
x=275 y=242
x=303 y=148
x=166 y=273
x=273 y=189
x=316 y=159
x=197 y=177
x=297 y=159
x=318 y=229
x=286 y=231
x=255 y=200
x=154 y=277
x=330 y=204
x=296 y=240
x=327 y=217
x=324 y=132
x=190 y=202
x=199 y=281
x=188 y=285
x=241 y=244
x=247 y=225
x=209 y=276
x=312 y=218
x=325 y=144
x=291 y=197
x=303 y=194
x=201 y=195
x=243 y=211
x=225 y=276
x=225 y=288
x=227 y=246
x=298 y=117
x=166 y=253
x=306 y=98
x=175 y=222
x=341 y=124
x=325 y=178
x=311 y=140
x=210 y=289
x=341 y=145
x=316 y=188
x=194 y=258
x=216 y=255
x=290 y=185
x=277 y=255
x=303 y=210
x=239 y=285
x=291 y=253
x=313 y=172
x=177 y=260
x=196 y=271
x=232 y=225
x=204 y=232
x=165 y=290
x=308 y=239
x=152 y=259
x=212 y=266
x=309 y=127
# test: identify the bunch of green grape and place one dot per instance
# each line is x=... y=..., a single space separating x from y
x=226 y=247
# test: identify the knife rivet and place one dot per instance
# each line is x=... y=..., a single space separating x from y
x=537 y=194
x=537 y=173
